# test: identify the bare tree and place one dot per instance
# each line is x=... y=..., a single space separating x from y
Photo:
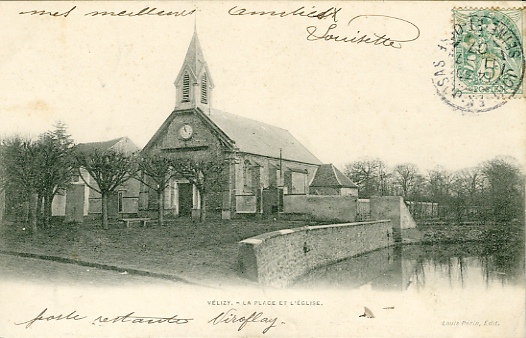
x=42 y=167
x=370 y=175
x=54 y=157
x=439 y=189
x=472 y=182
x=419 y=191
x=506 y=184
x=20 y=172
x=385 y=187
x=109 y=169
x=155 y=171
x=439 y=184
x=406 y=177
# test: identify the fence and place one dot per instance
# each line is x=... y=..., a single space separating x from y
x=423 y=210
x=419 y=210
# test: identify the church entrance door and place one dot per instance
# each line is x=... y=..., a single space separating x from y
x=185 y=199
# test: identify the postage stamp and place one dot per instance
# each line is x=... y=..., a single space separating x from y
x=488 y=51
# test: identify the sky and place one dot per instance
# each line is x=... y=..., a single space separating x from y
x=108 y=77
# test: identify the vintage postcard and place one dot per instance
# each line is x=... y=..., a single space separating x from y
x=252 y=169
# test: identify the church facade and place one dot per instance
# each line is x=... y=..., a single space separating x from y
x=263 y=163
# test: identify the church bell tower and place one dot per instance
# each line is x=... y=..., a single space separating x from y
x=194 y=84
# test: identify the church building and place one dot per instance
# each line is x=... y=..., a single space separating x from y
x=263 y=163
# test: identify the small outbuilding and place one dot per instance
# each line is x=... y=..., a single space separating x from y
x=328 y=180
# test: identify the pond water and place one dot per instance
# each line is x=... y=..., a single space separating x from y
x=484 y=265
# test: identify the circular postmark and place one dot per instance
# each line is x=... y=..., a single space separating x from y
x=488 y=52
x=482 y=66
x=443 y=80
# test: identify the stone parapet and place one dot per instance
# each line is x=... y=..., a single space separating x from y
x=278 y=258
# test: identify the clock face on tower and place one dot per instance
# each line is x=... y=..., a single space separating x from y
x=186 y=131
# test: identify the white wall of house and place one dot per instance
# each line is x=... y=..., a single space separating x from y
x=58 y=206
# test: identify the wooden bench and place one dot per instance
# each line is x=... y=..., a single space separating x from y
x=129 y=220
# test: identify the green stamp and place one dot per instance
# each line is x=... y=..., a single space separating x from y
x=488 y=51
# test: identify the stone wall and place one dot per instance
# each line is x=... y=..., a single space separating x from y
x=393 y=208
x=278 y=258
x=322 y=208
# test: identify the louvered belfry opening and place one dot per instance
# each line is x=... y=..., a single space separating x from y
x=186 y=88
x=204 y=90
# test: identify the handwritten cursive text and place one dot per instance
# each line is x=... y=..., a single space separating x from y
x=301 y=11
x=231 y=317
x=40 y=316
x=376 y=39
x=146 y=11
x=44 y=12
x=130 y=318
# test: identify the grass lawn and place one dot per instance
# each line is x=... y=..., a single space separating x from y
x=202 y=252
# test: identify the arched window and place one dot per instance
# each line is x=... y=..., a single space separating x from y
x=186 y=87
x=204 y=89
x=247 y=176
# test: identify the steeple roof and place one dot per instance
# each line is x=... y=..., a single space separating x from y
x=194 y=55
x=194 y=62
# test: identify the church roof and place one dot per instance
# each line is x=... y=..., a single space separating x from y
x=123 y=144
x=328 y=175
x=259 y=138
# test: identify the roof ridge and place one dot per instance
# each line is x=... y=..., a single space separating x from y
x=250 y=119
x=349 y=183
x=256 y=137
x=335 y=174
x=107 y=141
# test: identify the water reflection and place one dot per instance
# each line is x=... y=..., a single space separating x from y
x=419 y=267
